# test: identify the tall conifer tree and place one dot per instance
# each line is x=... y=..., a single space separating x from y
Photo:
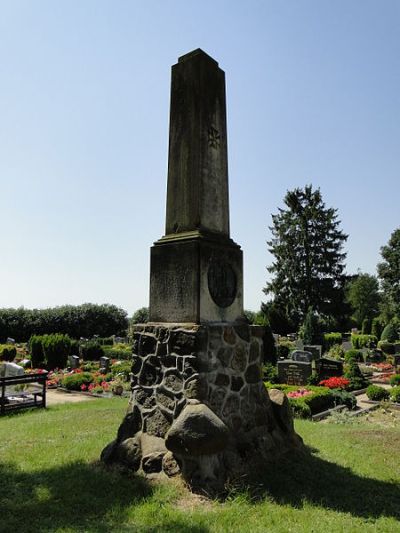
x=308 y=267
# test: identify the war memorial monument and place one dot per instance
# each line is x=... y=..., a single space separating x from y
x=198 y=406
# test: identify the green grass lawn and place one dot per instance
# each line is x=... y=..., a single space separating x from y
x=50 y=480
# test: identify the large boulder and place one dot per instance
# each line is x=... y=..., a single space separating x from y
x=197 y=431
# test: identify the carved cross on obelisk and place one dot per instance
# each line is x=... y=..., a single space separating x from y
x=196 y=269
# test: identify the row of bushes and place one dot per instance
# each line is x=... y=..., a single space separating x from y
x=76 y=321
x=50 y=351
x=359 y=341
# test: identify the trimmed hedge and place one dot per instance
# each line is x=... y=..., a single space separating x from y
x=76 y=321
x=91 y=351
x=321 y=399
x=363 y=341
x=389 y=334
x=75 y=381
x=330 y=339
x=377 y=394
x=356 y=355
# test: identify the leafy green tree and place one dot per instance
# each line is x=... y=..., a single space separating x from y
x=308 y=267
x=140 y=316
x=363 y=296
x=389 y=274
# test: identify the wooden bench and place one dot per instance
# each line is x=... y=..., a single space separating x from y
x=24 y=399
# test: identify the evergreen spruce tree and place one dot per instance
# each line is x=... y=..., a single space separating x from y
x=389 y=274
x=308 y=267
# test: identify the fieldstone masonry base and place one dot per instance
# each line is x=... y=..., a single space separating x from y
x=198 y=405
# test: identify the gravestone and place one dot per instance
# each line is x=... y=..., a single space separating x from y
x=198 y=405
x=314 y=349
x=302 y=356
x=73 y=361
x=10 y=340
x=105 y=364
x=294 y=372
x=328 y=368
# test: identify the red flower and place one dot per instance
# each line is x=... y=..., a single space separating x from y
x=83 y=386
x=335 y=383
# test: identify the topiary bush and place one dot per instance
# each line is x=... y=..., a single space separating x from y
x=355 y=376
x=395 y=394
x=377 y=394
x=389 y=333
x=91 y=351
x=76 y=380
x=363 y=341
x=395 y=380
x=36 y=350
x=366 y=326
x=343 y=397
x=56 y=348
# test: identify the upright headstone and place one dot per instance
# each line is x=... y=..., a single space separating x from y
x=294 y=372
x=105 y=364
x=314 y=349
x=197 y=398
x=302 y=356
x=329 y=368
x=73 y=361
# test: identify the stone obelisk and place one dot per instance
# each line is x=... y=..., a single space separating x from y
x=198 y=405
x=196 y=269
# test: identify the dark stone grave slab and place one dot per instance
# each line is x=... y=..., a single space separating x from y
x=294 y=372
x=73 y=361
x=105 y=365
x=328 y=368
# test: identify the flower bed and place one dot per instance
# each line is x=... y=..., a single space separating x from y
x=335 y=383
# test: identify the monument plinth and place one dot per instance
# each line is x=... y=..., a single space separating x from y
x=198 y=405
x=196 y=269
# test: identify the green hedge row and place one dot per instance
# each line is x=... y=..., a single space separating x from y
x=359 y=341
x=76 y=321
x=50 y=351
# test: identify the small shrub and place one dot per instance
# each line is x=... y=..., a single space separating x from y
x=354 y=375
x=356 y=355
x=56 y=348
x=395 y=394
x=282 y=351
x=36 y=349
x=377 y=394
x=91 y=351
x=121 y=368
x=300 y=409
x=8 y=352
x=343 y=397
x=75 y=381
x=270 y=373
x=395 y=380
x=313 y=379
x=118 y=351
x=389 y=333
x=331 y=340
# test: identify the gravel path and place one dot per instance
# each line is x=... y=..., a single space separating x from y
x=55 y=396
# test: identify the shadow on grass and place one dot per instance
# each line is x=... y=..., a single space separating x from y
x=306 y=477
x=77 y=496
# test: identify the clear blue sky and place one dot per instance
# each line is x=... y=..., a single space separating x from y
x=313 y=89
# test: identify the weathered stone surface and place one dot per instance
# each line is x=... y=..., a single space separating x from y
x=157 y=423
x=153 y=449
x=170 y=465
x=197 y=431
x=147 y=345
x=243 y=331
x=129 y=453
x=237 y=383
x=231 y=406
x=131 y=424
x=165 y=400
x=144 y=397
x=136 y=364
x=254 y=354
x=149 y=375
x=108 y=453
x=222 y=380
x=173 y=382
x=183 y=343
x=224 y=354
x=239 y=360
x=230 y=335
x=281 y=409
x=253 y=374
x=196 y=387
